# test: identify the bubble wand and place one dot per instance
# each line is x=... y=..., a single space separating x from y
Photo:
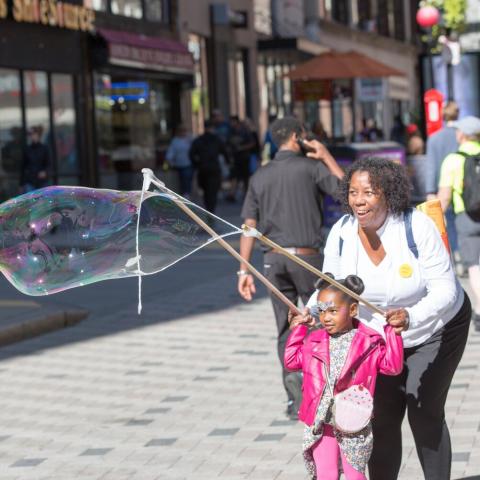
x=150 y=178
x=253 y=232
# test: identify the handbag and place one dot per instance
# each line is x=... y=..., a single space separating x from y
x=351 y=409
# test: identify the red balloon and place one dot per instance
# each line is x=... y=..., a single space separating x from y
x=427 y=16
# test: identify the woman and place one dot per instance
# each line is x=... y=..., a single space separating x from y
x=407 y=272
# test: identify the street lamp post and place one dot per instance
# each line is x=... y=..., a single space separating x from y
x=427 y=17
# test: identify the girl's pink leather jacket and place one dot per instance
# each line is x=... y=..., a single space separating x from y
x=369 y=354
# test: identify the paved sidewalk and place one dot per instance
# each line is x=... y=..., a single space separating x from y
x=199 y=397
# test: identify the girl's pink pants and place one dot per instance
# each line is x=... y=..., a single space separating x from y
x=325 y=454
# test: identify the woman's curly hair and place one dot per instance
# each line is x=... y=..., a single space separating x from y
x=387 y=176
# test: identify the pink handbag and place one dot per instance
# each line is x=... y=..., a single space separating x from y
x=352 y=409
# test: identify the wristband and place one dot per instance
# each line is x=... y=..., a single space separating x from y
x=240 y=273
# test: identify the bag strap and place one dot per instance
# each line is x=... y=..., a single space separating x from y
x=340 y=239
x=409 y=232
x=327 y=378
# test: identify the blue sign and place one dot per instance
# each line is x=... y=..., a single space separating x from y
x=129 y=90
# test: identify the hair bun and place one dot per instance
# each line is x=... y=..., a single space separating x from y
x=320 y=284
x=355 y=284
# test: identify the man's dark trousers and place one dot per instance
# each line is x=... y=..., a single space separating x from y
x=295 y=282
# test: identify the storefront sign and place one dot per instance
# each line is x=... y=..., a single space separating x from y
x=50 y=13
x=370 y=90
x=129 y=90
x=312 y=90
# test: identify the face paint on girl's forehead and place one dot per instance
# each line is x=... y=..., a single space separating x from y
x=324 y=306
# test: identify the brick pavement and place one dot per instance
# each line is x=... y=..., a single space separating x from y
x=198 y=397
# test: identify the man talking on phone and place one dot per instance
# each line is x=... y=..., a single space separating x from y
x=284 y=201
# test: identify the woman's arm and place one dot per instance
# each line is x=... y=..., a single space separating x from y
x=293 y=359
x=436 y=270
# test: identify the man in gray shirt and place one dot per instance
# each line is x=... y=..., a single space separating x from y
x=439 y=145
x=284 y=201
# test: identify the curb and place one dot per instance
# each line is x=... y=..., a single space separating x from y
x=39 y=326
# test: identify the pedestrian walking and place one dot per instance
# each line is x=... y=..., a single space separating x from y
x=416 y=165
x=204 y=154
x=241 y=142
x=342 y=358
x=284 y=200
x=178 y=158
x=451 y=190
x=439 y=145
x=407 y=273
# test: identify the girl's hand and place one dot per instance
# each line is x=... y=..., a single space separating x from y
x=398 y=318
x=304 y=319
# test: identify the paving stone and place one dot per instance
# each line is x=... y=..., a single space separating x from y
x=28 y=462
x=161 y=442
x=95 y=452
x=77 y=395
x=140 y=422
x=156 y=410
x=223 y=432
x=460 y=456
x=269 y=437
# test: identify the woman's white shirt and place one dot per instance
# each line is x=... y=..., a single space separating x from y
x=426 y=287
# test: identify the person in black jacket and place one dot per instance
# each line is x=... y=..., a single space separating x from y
x=36 y=160
x=285 y=201
x=204 y=155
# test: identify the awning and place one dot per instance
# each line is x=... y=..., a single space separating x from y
x=141 y=51
x=341 y=65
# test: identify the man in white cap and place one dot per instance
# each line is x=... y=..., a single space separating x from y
x=451 y=189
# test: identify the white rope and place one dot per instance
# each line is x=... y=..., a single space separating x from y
x=150 y=176
x=145 y=187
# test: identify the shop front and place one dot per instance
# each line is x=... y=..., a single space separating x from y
x=41 y=88
x=137 y=104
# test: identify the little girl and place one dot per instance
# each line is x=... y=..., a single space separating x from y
x=353 y=354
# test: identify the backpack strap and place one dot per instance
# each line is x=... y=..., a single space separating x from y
x=340 y=239
x=408 y=231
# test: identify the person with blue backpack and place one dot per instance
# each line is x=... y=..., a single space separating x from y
x=408 y=273
x=459 y=184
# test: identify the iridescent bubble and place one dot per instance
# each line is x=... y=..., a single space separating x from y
x=57 y=238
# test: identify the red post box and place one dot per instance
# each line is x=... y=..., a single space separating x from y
x=433 y=101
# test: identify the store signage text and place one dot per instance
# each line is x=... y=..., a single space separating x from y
x=51 y=13
x=150 y=56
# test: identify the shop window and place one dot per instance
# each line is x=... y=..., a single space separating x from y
x=157 y=10
x=134 y=125
x=11 y=133
x=37 y=115
x=127 y=8
x=64 y=122
x=36 y=103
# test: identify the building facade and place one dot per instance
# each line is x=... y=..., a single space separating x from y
x=107 y=81
x=101 y=82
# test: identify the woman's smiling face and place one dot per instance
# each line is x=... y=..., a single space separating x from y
x=367 y=203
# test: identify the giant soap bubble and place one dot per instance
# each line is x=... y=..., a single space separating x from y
x=57 y=238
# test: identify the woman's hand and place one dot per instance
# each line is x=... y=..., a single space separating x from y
x=304 y=319
x=398 y=319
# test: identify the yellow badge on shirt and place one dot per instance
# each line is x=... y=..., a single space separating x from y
x=405 y=270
